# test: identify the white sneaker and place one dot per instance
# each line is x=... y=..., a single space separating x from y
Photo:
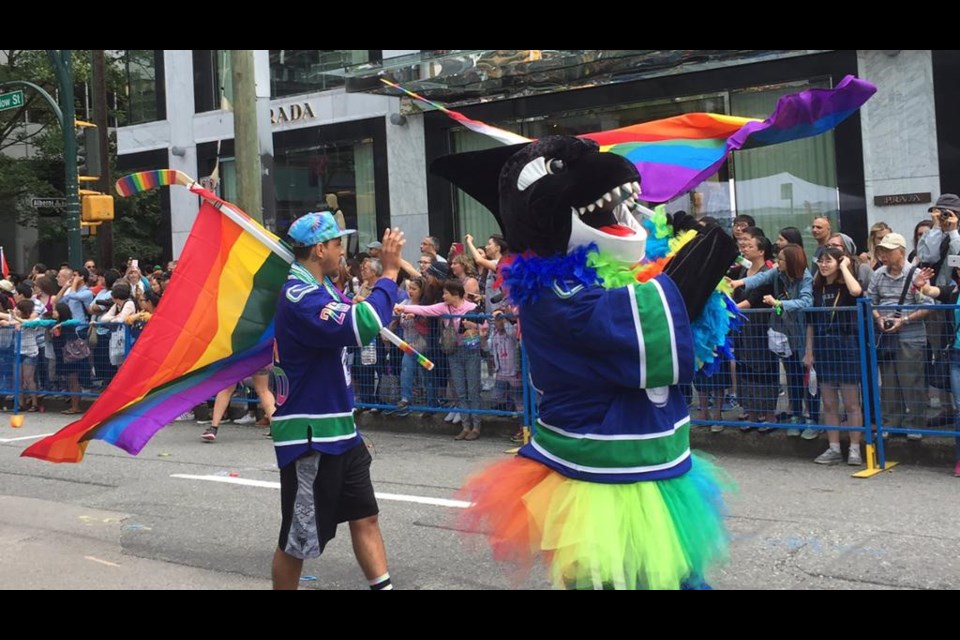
x=186 y=416
x=456 y=419
x=246 y=419
x=488 y=385
x=853 y=458
x=451 y=416
x=830 y=456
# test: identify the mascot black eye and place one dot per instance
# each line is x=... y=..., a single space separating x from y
x=556 y=166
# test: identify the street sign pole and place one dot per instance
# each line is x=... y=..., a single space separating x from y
x=61 y=61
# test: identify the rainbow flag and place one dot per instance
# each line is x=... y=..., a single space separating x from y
x=213 y=327
x=676 y=154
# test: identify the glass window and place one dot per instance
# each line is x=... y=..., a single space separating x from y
x=228 y=179
x=142 y=99
x=785 y=185
x=212 y=80
x=338 y=175
x=472 y=217
x=294 y=71
x=225 y=77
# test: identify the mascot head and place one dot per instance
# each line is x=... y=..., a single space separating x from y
x=555 y=194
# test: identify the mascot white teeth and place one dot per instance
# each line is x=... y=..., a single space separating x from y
x=615 y=313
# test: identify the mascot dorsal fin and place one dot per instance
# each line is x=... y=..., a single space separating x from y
x=477 y=173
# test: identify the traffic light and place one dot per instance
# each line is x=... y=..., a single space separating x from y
x=96 y=208
x=88 y=149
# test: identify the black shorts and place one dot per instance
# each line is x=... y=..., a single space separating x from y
x=317 y=492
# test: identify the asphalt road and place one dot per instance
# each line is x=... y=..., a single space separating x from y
x=188 y=514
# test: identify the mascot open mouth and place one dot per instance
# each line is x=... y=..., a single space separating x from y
x=613 y=212
x=611 y=223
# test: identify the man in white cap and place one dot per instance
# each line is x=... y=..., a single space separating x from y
x=902 y=365
x=324 y=465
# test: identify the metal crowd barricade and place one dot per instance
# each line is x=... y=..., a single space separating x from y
x=915 y=376
x=376 y=370
x=773 y=383
x=888 y=394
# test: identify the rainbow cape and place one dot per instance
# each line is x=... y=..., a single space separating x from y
x=213 y=327
x=674 y=155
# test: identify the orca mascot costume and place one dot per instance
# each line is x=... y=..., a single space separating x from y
x=615 y=311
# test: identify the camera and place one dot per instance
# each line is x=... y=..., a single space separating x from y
x=888 y=323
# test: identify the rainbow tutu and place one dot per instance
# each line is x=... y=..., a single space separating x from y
x=646 y=535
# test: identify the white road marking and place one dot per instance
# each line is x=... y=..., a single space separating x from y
x=106 y=562
x=396 y=497
x=42 y=435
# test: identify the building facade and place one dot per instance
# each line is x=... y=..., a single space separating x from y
x=331 y=133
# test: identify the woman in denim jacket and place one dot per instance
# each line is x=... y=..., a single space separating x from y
x=793 y=292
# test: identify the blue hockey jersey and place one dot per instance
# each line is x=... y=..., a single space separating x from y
x=607 y=362
x=314 y=327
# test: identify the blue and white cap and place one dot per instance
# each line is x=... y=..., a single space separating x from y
x=316 y=227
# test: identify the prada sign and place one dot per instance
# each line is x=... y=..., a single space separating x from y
x=291 y=113
x=902 y=198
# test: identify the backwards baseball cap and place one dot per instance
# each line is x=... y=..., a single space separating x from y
x=893 y=241
x=947 y=201
x=316 y=228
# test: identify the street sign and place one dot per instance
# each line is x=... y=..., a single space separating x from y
x=48 y=203
x=12 y=100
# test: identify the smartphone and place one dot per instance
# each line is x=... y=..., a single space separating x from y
x=135 y=264
x=953 y=261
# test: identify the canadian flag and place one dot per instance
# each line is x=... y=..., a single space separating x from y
x=3 y=264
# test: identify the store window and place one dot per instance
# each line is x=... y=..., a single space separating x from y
x=340 y=174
